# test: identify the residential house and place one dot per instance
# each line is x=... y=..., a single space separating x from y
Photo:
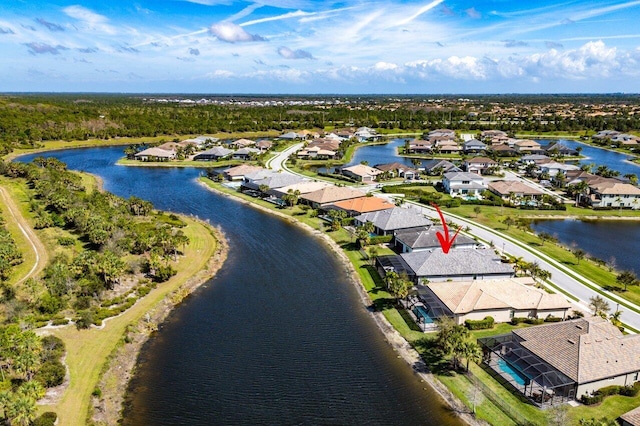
x=361 y=173
x=494 y=136
x=358 y=206
x=534 y=159
x=559 y=149
x=239 y=172
x=155 y=154
x=473 y=146
x=448 y=147
x=272 y=180
x=316 y=153
x=214 y=154
x=419 y=239
x=447 y=133
x=501 y=299
x=304 y=187
x=364 y=134
x=242 y=143
x=503 y=150
x=201 y=141
x=264 y=145
x=606 y=134
x=613 y=193
x=630 y=418
x=479 y=165
x=456 y=265
x=527 y=146
x=419 y=146
x=562 y=361
x=245 y=153
x=386 y=222
x=398 y=170
x=511 y=190
x=330 y=195
x=290 y=136
x=624 y=139
x=553 y=168
x=438 y=167
x=463 y=183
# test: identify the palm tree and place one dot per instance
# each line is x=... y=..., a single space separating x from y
x=579 y=254
x=599 y=305
x=633 y=178
x=627 y=278
x=471 y=351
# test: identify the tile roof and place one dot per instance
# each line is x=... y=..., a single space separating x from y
x=456 y=262
x=331 y=194
x=615 y=188
x=453 y=176
x=396 y=218
x=304 y=187
x=364 y=204
x=242 y=170
x=362 y=170
x=156 y=152
x=632 y=417
x=463 y=297
x=585 y=349
x=427 y=238
x=506 y=187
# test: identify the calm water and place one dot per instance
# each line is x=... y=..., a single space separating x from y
x=602 y=239
x=279 y=336
x=380 y=154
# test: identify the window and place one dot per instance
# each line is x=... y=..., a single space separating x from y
x=466 y=182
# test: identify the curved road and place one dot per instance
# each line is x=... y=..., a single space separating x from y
x=578 y=288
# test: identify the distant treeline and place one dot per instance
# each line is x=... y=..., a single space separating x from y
x=26 y=120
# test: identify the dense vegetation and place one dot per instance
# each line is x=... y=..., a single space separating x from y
x=9 y=253
x=103 y=239
x=27 y=120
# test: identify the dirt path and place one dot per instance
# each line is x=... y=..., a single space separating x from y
x=16 y=216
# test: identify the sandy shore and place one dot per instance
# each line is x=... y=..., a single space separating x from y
x=119 y=369
x=397 y=342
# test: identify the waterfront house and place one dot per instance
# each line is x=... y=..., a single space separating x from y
x=386 y=222
x=397 y=170
x=155 y=154
x=242 y=143
x=511 y=190
x=456 y=265
x=527 y=146
x=290 y=136
x=304 y=187
x=534 y=159
x=358 y=206
x=448 y=146
x=364 y=134
x=214 y=154
x=245 y=153
x=264 y=145
x=494 y=136
x=329 y=195
x=239 y=172
x=559 y=149
x=625 y=139
x=201 y=142
x=479 y=165
x=361 y=173
x=445 y=133
x=438 y=167
x=316 y=153
x=419 y=239
x=613 y=193
x=463 y=183
x=419 y=146
x=605 y=134
x=502 y=299
x=473 y=146
x=271 y=180
x=562 y=361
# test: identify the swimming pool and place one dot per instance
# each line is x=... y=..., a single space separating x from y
x=422 y=312
x=518 y=376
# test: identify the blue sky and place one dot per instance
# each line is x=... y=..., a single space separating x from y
x=305 y=46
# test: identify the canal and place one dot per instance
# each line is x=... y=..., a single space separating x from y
x=279 y=336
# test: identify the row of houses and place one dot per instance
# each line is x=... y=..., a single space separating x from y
x=195 y=148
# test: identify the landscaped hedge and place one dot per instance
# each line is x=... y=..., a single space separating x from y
x=482 y=324
x=534 y=321
x=601 y=393
x=380 y=239
x=551 y=318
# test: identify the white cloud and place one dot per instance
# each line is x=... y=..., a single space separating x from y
x=232 y=33
x=287 y=53
x=92 y=20
x=218 y=74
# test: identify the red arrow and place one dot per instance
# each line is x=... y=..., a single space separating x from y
x=445 y=242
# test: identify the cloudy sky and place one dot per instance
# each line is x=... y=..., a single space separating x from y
x=306 y=46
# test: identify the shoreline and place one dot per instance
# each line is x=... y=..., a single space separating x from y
x=121 y=363
x=391 y=335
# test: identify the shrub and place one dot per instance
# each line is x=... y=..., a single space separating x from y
x=482 y=324
x=50 y=304
x=163 y=273
x=46 y=419
x=590 y=400
x=66 y=241
x=380 y=239
x=551 y=318
x=84 y=319
x=51 y=374
x=52 y=347
x=60 y=321
x=534 y=321
x=97 y=392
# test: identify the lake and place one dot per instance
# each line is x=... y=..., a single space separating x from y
x=279 y=336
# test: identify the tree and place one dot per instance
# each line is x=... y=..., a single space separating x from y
x=471 y=351
x=509 y=221
x=291 y=198
x=337 y=217
x=477 y=210
x=451 y=339
x=545 y=236
x=399 y=285
x=633 y=178
x=579 y=254
x=599 y=304
x=362 y=236
x=627 y=278
x=373 y=252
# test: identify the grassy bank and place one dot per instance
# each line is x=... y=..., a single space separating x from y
x=88 y=350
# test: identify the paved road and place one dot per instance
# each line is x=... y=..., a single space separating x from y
x=561 y=276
